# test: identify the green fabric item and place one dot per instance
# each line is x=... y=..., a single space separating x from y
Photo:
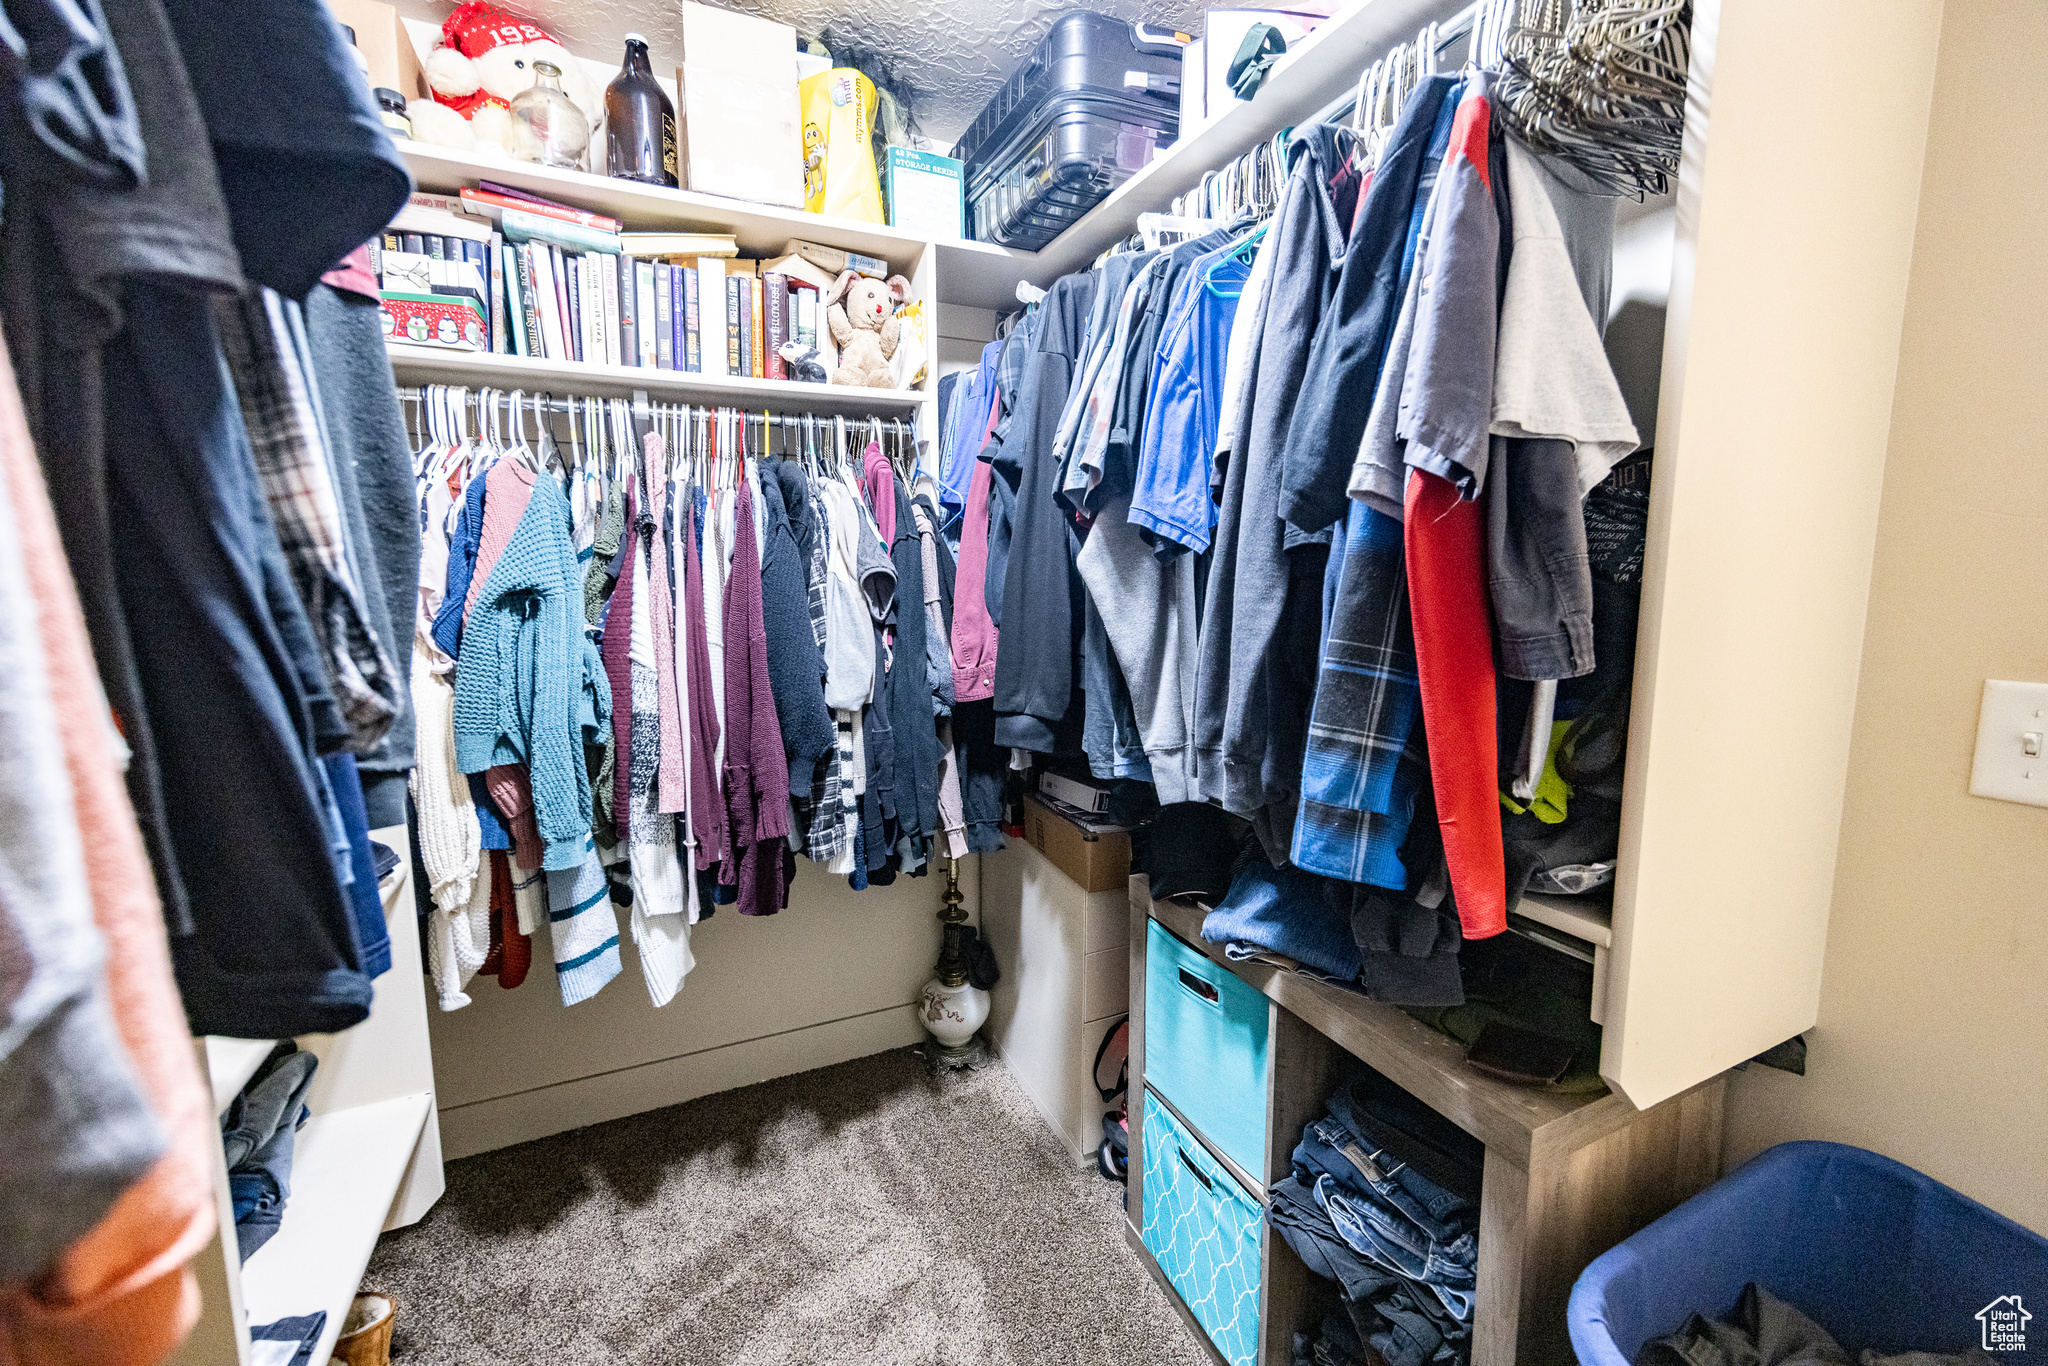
x=1553 y=793
x=1262 y=46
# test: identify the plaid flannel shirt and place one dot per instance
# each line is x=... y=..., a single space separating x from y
x=279 y=409
x=1357 y=797
x=820 y=813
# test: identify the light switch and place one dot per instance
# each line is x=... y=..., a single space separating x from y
x=2010 y=726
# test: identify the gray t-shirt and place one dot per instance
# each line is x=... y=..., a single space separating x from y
x=1551 y=376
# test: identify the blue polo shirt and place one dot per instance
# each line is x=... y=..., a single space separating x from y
x=1170 y=501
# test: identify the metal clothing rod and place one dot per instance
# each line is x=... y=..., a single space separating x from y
x=414 y=394
x=1458 y=26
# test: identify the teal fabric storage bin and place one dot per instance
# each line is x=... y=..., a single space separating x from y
x=1205 y=1047
x=1204 y=1230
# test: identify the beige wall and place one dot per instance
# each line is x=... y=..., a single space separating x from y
x=1932 y=1044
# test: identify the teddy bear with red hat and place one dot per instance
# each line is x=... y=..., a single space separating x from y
x=485 y=58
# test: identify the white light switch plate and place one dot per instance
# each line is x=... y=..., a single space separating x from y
x=2014 y=720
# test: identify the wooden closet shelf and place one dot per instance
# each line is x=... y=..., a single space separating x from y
x=229 y=1065
x=346 y=1169
x=977 y=274
x=1522 y=1123
x=414 y=364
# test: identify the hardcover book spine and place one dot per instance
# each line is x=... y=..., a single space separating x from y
x=775 y=290
x=629 y=321
x=693 y=332
x=760 y=328
x=529 y=304
x=733 y=287
x=501 y=341
x=643 y=312
x=572 y=281
x=664 y=320
x=611 y=310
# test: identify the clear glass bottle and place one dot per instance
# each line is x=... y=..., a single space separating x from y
x=639 y=121
x=547 y=127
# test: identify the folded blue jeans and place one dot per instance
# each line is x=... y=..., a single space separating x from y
x=1424 y=1217
x=1388 y=1212
x=1394 y=1314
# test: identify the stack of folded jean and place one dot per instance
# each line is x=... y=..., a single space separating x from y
x=1384 y=1200
x=1336 y=1345
x=258 y=1133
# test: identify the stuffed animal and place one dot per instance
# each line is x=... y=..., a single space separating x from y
x=486 y=57
x=803 y=362
x=862 y=316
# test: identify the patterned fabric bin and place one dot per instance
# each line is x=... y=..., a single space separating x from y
x=1204 y=1230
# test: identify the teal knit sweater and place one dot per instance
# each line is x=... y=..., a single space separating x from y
x=521 y=680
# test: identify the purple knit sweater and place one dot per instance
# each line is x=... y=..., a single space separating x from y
x=616 y=652
x=756 y=769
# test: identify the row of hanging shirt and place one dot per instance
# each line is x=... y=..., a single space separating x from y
x=654 y=662
x=1291 y=517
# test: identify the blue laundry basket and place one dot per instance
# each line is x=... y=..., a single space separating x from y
x=1879 y=1255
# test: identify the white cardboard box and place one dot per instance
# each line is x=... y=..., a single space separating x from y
x=1065 y=981
x=741 y=132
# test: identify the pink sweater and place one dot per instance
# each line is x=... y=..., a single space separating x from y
x=974 y=631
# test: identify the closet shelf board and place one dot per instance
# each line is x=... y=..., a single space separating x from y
x=1578 y=917
x=229 y=1065
x=1321 y=67
x=1521 y=1123
x=346 y=1168
x=759 y=228
x=414 y=364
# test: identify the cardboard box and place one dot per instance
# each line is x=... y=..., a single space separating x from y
x=381 y=37
x=1097 y=863
x=924 y=191
x=737 y=104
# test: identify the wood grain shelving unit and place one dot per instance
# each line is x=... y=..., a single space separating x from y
x=1566 y=1176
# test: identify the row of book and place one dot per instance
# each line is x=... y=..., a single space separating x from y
x=536 y=299
x=496 y=270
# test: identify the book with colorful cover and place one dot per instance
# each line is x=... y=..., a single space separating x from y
x=678 y=349
x=734 y=286
x=775 y=293
x=760 y=329
x=490 y=204
x=693 y=331
x=746 y=324
x=501 y=342
x=519 y=225
x=629 y=315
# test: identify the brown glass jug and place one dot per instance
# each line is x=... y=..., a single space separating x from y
x=639 y=121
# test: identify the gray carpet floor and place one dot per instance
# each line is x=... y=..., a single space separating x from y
x=861 y=1213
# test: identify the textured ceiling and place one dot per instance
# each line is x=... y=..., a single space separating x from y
x=953 y=53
